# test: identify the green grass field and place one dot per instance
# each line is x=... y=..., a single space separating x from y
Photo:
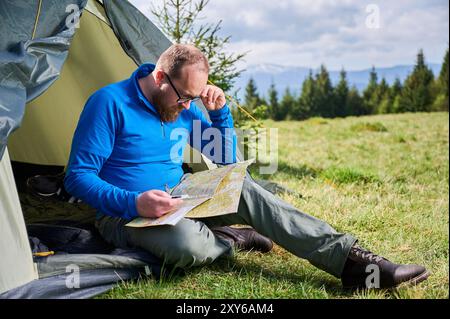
x=384 y=179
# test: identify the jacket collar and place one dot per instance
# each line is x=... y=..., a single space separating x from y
x=143 y=70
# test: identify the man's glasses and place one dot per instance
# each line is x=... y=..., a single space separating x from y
x=181 y=100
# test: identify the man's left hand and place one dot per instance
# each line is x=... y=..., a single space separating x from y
x=213 y=98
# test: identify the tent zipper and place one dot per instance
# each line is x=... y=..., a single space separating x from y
x=37 y=19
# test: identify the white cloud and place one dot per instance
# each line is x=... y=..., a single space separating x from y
x=333 y=32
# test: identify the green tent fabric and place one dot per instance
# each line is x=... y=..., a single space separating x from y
x=48 y=69
x=141 y=40
x=31 y=57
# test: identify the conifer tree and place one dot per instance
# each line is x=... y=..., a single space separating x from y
x=382 y=99
x=179 y=21
x=441 y=100
x=251 y=99
x=369 y=93
x=286 y=104
x=341 y=95
x=324 y=94
x=306 y=103
x=355 y=103
x=395 y=94
x=273 y=101
x=417 y=90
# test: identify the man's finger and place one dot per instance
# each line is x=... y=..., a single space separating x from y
x=211 y=92
x=204 y=93
x=216 y=95
x=170 y=203
x=161 y=193
x=170 y=207
x=176 y=202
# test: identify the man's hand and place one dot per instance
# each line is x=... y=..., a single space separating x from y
x=213 y=98
x=155 y=203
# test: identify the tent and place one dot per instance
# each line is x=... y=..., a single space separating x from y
x=53 y=55
x=49 y=66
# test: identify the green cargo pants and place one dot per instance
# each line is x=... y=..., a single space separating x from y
x=191 y=243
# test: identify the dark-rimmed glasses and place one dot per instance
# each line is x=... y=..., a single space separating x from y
x=181 y=100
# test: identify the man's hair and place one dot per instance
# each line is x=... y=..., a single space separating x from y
x=177 y=56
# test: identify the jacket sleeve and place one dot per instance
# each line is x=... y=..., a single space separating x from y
x=92 y=144
x=216 y=138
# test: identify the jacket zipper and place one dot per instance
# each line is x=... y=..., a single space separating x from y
x=162 y=129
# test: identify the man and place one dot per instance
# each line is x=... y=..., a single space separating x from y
x=122 y=159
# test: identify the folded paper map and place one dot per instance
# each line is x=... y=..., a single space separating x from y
x=206 y=194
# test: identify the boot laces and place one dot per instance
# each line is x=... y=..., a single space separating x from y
x=366 y=255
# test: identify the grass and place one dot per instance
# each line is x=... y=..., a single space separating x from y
x=384 y=179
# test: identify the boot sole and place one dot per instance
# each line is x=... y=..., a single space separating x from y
x=414 y=281
x=410 y=283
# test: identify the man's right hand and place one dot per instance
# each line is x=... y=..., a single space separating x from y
x=155 y=203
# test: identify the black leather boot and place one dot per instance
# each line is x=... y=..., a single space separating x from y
x=364 y=269
x=244 y=238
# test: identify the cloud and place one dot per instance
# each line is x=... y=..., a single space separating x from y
x=333 y=32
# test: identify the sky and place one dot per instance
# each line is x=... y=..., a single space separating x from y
x=354 y=34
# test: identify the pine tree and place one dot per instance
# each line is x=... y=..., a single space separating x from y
x=324 y=94
x=306 y=104
x=396 y=88
x=382 y=99
x=441 y=100
x=251 y=99
x=286 y=104
x=417 y=92
x=369 y=93
x=443 y=75
x=395 y=93
x=355 y=103
x=178 y=20
x=273 y=101
x=262 y=109
x=341 y=95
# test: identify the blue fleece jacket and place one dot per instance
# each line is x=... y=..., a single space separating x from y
x=122 y=148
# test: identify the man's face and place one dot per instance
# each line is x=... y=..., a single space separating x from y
x=188 y=85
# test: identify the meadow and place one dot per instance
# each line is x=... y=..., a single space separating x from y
x=384 y=179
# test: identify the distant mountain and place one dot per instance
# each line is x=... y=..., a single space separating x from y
x=284 y=76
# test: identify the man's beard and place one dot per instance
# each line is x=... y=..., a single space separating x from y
x=168 y=113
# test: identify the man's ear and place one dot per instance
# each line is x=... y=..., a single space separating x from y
x=159 y=77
